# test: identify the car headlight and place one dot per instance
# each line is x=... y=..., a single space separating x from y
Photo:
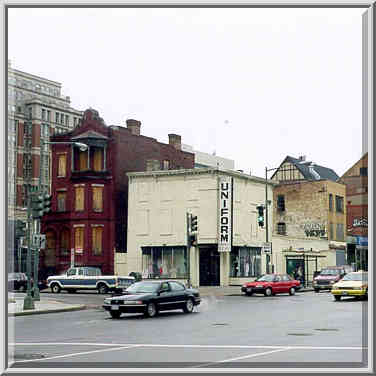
x=107 y=301
x=332 y=282
x=315 y=282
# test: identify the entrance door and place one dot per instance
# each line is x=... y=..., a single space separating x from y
x=209 y=267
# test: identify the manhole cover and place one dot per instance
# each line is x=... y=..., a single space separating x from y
x=28 y=356
x=327 y=330
x=299 y=334
x=220 y=324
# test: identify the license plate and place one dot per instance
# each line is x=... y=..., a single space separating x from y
x=344 y=292
x=259 y=286
x=114 y=307
x=249 y=289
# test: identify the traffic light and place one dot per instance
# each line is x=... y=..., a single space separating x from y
x=47 y=203
x=37 y=205
x=194 y=225
x=260 y=218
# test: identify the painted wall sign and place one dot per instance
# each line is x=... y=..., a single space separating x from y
x=360 y=222
x=314 y=229
x=225 y=214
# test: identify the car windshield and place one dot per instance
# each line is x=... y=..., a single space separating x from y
x=266 y=278
x=355 y=277
x=330 y=272
x=140 y=287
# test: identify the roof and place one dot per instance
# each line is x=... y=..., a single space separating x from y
x=310 y=170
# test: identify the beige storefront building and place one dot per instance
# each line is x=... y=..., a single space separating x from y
x=229 y=239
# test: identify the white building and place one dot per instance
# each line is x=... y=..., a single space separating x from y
x=229 y=240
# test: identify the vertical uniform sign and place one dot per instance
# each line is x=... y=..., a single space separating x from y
x=225 y=214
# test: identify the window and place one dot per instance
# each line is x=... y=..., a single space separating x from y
x=57 y=117
x=80 y=196
x=72 y=271
x=82 y=159
x=330 y=202
x=331 y=235
x=339 y=204
x=62 y=164
x=65 y=242
x=62 y=118
x=281 y=203
x=48 y=115
x=166 y=164
x=176 y=286
x=98 y=199
x=281 y=228
x=97 y=240
x=164 y=262
x=363 y=171
x=245 y=262
x=98 y=160
x=43 y=114
x=61 y=201
x=79 y=239
x=66 y=120
x=340 y=232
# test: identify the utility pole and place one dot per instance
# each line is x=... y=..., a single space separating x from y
x=188 y=216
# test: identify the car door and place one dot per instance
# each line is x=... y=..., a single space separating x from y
x=166 y=297
x=286 y=283
x=277 y=284
x=179 y=294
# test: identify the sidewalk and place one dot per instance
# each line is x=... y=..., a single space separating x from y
x=45 y=305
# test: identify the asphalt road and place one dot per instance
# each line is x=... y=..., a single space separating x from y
x=306 y=330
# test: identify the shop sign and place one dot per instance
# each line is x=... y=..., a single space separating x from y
x=361 y=240
x=225 y=214
x=267 y=247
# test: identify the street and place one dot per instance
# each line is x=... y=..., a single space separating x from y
x=305 y=330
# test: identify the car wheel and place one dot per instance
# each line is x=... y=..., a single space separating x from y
x=55 y=288
x=317 y=290
x=102 y=289
x=249 y=293
x=292 y=291
x=151 y=310
x=268 y=292
x=115 y=314
x=337 y=298
x=188 y=306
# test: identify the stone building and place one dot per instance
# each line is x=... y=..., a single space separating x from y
x=356 y=181
x=228 y=248
x=309 y=217
x=36 y=110
x=88 y=221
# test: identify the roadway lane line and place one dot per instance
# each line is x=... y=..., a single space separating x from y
x=76 y=354
x=189 y=346
x=243 y=357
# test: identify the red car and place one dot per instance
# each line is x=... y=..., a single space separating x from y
x=271 y=284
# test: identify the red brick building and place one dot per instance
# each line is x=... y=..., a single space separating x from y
x=356 y=181
x=90 y=190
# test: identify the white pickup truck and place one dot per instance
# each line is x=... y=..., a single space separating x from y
x=88 y=278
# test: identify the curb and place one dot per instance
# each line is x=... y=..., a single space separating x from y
x=51 y=310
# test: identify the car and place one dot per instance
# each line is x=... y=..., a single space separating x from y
x=327 y=277
x=17 y=281
x=150 y=297
x=271 y=284
x=352 y=284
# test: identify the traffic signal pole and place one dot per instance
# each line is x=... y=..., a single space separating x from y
x=266 y=220
x=188 y=249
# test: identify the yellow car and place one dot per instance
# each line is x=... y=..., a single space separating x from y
x=352 y=284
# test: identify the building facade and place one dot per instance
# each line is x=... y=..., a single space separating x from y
x=88 y=221
x=356 y=182
x=309 y=225
x=228 y=247
x=36 y=110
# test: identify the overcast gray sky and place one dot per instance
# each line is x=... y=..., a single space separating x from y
x=254 y=85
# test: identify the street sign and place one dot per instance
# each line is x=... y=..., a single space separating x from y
x=267 y=247
x=38 y=241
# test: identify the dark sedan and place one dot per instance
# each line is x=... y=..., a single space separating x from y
x=271 y=284
x=17 y=281
x=150 y=297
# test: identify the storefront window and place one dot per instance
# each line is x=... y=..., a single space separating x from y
x=164 y=262
x=245 y=262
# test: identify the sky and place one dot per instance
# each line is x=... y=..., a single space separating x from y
x=252 y=85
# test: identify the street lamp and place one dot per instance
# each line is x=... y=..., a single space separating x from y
x=266 y=218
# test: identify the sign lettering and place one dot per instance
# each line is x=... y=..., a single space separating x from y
x=224 y=225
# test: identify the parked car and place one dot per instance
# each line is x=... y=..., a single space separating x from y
x=327 y=277
x=271 y=284
x=352 y=284
x=17 y=281
x=150 y=297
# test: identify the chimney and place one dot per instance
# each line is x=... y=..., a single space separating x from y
x=302 y=158
x=175 y=141
x=134 y=126
x=153 y=165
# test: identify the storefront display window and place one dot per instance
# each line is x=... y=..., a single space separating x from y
x=164 y=262
x=245 y=262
